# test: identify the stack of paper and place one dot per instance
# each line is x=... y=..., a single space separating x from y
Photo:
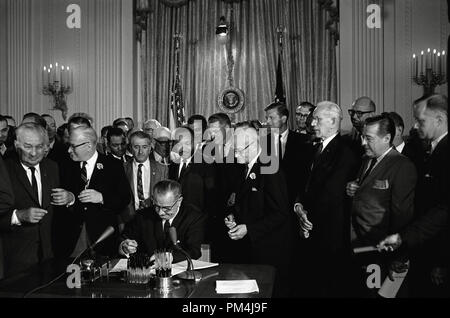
x=236 y=286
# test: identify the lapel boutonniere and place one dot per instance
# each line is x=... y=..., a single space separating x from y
x=252 y=176
x=99 y=166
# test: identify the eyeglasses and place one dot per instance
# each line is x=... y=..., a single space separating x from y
x=302 y=115
x=76 y=146
x=358 y=113
x=242 y=150
x=165 y=209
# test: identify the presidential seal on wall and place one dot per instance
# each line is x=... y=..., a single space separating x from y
x=231 y=100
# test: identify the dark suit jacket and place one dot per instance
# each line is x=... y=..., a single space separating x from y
x=384 y=202
x=158 y=172
x=197 y=184
x=109 y=179
x=59 y=153
x=325 y=199
x=353 y=140
x=22 y=243
x=262 y=204
x=6 y=194
x=147 y=229
x=432 y=207
x=295 y=163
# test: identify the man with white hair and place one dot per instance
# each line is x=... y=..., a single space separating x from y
x=27 y=227
x=322 y=206
x=101 y=191
x=261 y=219
x=149 y=126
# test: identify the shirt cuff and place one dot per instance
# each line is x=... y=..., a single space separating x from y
x=15 y=219
x=121 y=251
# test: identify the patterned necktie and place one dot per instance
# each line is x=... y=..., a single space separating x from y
x=34 y=182
x=318 y=147
x=140 y=188
x=84 y=178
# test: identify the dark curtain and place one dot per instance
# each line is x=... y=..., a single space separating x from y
x=309 y=70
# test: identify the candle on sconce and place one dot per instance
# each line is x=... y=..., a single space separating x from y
x=422 y=65
x=444 y=62
x=70 y=73
x=433 y=61
x=439 y=71
x=414 y=66
x=43 y=74
x=428 y=59
x=63 y=82
x=57 y=73
x=49 y=73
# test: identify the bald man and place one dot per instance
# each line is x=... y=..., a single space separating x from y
x=362 y=108
x=101 y=191
x=261 y=219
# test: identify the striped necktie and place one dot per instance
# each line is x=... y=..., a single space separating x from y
x=140 y=188
x=84 y=178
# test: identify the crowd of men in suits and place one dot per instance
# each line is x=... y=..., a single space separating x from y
x=300 y=200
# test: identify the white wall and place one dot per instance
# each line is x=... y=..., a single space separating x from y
x=33 y=33
x=377 y=62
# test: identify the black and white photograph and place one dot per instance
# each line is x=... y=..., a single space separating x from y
x=234 y=155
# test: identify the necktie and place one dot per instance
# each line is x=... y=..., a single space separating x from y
x=280 y=147
x=317 y=151
x=182 y=170
x=166 y=233
x=35 y=191
x=372 y=164
x=140 y=188
x=34 y=182
x=84 y=178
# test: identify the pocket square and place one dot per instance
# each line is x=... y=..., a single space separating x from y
x=381 y=184
x=254 y=190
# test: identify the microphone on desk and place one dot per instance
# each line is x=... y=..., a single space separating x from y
x=106 y=233
x=189 y=274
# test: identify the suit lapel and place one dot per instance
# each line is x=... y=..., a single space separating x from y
x=96 y=172
x=45 y=185
x=22 y=176
x=379 y=167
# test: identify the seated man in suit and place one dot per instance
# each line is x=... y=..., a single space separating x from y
x=383 y=194
x=101 y=190
x=149 y=230
x=426 y=238
x=261 y=221
x=142 y=174
x=26 y=227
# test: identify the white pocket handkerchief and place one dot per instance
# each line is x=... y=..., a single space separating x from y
x=381 y=184
x=254 y=190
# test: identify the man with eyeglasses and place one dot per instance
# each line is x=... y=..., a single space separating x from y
x=162 y=145
x=301 y=113
x=101 y=191
x=26 y=228
x=362 y=108
x=261 y=222
x=149 y=230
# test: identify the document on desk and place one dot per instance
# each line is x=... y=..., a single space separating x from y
x=236 y=286
x=177 y=268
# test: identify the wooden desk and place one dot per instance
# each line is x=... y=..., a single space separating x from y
x=116 y=287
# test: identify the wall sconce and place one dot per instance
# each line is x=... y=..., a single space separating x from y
x=142 y=11
x=430 y=71
x=222 y=28
x=57 y=81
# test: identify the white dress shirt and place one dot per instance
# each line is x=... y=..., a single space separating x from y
x=37 y=175
x=400 y=147
x=251 y=163
x=434 y=143
x=326 y=141
x=185 y=163
x=284 y=137
x=145 y=181
x=90 y=165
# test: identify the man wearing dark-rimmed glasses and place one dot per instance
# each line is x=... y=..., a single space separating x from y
x=362 y=108
x=149 y=230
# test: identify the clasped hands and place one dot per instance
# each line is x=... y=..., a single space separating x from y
x=236 y=231
x=64 y=197
x=305 y=224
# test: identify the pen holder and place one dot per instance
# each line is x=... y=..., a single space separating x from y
x=163 y=271
x=163 y=284
x=138 y=271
